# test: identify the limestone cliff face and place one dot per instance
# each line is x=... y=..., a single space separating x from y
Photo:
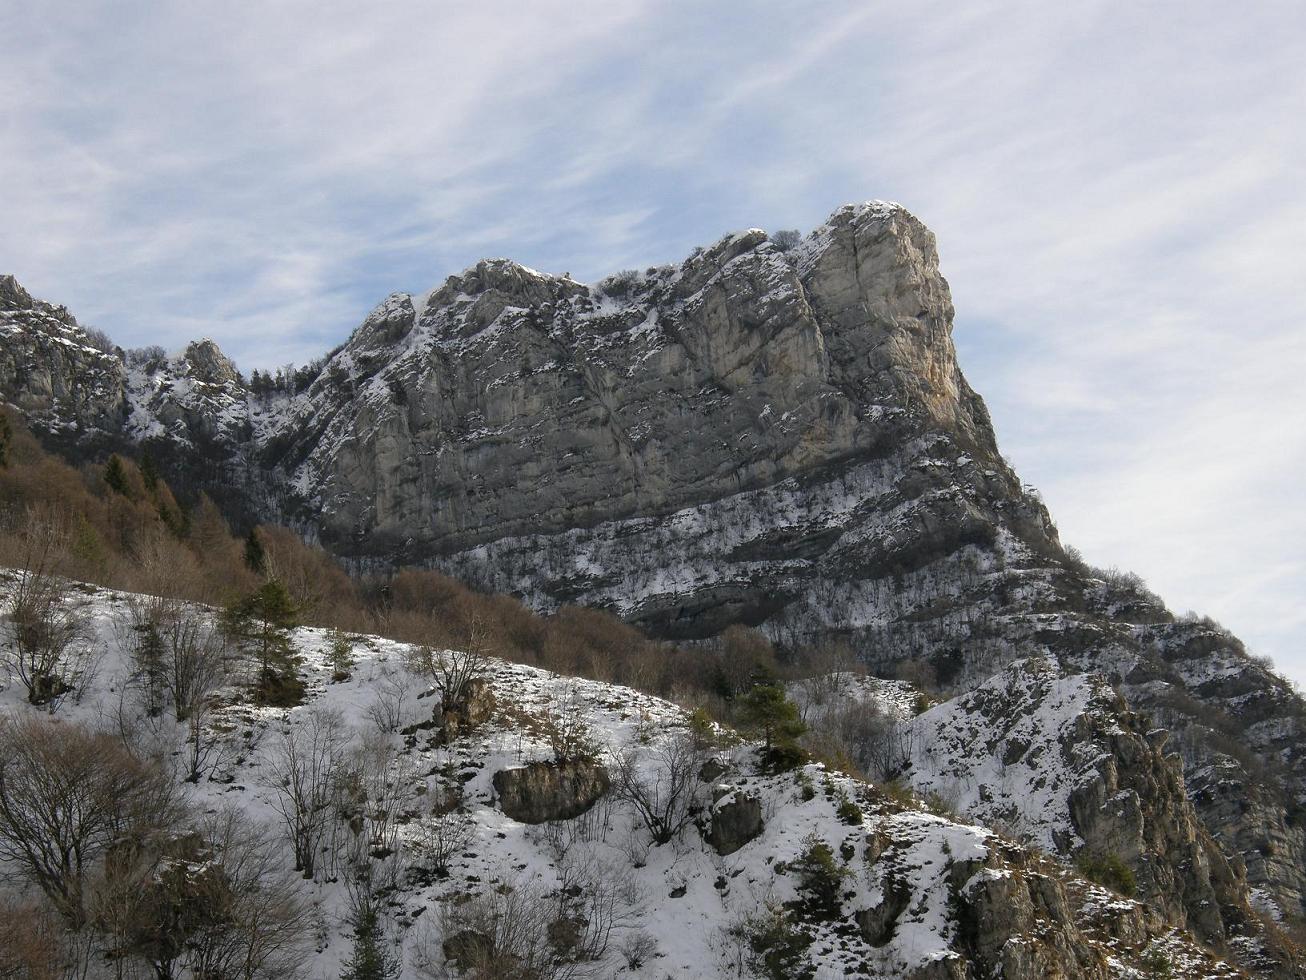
x=509 y=403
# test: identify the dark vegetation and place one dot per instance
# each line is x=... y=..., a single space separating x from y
x=118 y=524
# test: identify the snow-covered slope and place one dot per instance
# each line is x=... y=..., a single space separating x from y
x=1061 y=762
x=910 y=893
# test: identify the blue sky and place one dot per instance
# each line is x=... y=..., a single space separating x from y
x=1118 y=189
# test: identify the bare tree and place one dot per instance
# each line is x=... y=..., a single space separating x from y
x=263 y=934
x=304 y=768
x=196 y=665
x=664 y=786
x=46 y=622
x=446 y=831
x=65 y=795
x=503 y=935
x=34 y=944
x=454 y=671
x=387 y=710
x=567 y=728
x=177 y=654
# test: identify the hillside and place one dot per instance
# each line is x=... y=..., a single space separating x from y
x=413 y=816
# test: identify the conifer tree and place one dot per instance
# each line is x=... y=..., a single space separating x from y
x=6 y=438
x=260 y=623
x=115 y=476
x=149 y=472
x=255 y=558
x=766 y=710
x=370 y=959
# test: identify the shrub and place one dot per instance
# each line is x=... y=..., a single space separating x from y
x=1108 y=870
x=771 y=944
x=849 y=812
x=620 y=284
x=786 y=239
x=821 y=875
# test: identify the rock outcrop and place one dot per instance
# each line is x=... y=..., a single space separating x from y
x=543 y=791
x=55 y=372
x=1062 y=762
x=736 y=819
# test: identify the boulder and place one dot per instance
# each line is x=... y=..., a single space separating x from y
x=544 y=791
x=736 y=820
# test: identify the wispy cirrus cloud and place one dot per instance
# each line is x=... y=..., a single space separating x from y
x=1117 y=190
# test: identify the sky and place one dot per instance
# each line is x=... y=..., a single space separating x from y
x=1118 y=191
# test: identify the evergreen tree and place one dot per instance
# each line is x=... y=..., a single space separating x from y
x=115 y=476
x=255 y=558
x=6 y=438
x=149 y=472
x=260 y=623
x=149 y=656
x=766 y=710
x=371 y=960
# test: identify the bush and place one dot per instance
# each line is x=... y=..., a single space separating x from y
x=786 y=239
x=771 y=944
x=620 y=284
x=1109 y=871
x=821 y=875
x=849 y=812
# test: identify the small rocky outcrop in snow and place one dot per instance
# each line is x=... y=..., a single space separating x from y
x=736 y=820
x=544 y=791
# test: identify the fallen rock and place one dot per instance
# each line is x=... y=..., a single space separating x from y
x=543 y=791
x=736 y=819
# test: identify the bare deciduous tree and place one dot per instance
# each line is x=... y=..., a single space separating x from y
x=446 y=831
x=454 y=670
x=263 y=934
x=46 y=622
x=567 y=728
x=304 y=768
x=65 y=795
x=662 y=785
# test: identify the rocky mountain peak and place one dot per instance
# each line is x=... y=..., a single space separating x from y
x=782 y=439
x=12 y=295
x=206 y=363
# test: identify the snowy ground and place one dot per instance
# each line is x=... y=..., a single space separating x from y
x=675 y=900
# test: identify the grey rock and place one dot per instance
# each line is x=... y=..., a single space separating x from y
x=736 y=820
x=782 y=439
x=544 y=791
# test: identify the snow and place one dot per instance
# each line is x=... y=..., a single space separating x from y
x=996 y=753
x=687 y=930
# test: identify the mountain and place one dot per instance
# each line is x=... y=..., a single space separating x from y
x=777 y=438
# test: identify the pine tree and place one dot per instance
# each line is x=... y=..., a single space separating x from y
x=370 y=959
x=149 y=472
x=261 y=623
x=115 y=476
x=766 y=710
x=255 y=558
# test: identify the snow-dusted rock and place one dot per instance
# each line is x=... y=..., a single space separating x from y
x=783 y=439
x=550 y=790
